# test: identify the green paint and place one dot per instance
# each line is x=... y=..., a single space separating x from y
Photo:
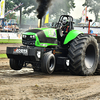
x=37 y=42
x=44 y=28
x=46 y=44
x=29 y=33
x=49 y=32
x=72 y=35
x=3 y=56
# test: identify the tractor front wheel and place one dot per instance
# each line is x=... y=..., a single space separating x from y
x=16 y=64
x=48 y=63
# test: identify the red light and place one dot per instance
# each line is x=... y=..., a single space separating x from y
x=44 y=49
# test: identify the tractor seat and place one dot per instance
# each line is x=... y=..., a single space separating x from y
x=60 y=36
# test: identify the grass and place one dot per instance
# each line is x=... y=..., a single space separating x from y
x=2 y=41
x=3 y=56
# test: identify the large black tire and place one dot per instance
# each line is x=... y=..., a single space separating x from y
x=48 y=63
x=16 y=64
x=84 y=55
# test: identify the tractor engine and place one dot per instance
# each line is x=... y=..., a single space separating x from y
x=41 y=37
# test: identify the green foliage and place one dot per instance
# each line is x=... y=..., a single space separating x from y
x=10 y=16
x=94 y=7
x=8 y=5
x=28 y=5
x=10 y=41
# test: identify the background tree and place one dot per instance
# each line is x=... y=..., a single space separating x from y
x=8 y=5
x=28 y=6
x=58 y=7
x=11 y=16
x=61 y=7
x=68 y=6
x=94 y=7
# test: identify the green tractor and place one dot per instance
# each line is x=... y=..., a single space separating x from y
x=48 y=49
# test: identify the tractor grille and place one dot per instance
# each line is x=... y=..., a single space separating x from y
x=28 y=38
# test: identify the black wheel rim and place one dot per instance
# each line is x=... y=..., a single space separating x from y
x=90 y=56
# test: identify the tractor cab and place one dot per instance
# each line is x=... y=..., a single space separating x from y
x=64 y=26
x=64 y=21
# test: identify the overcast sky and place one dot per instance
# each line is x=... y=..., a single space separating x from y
x=77 y=12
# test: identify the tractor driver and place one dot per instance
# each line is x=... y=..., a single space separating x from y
x=65 y=27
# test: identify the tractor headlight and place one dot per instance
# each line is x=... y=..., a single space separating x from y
x=39 y=54
x=32 y=36
x=24 y=36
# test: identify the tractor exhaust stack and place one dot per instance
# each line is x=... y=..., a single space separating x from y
x=39 y=23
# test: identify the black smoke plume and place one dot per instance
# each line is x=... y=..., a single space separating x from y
x=43 y=7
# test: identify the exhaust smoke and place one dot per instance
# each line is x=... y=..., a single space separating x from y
x=43 y=7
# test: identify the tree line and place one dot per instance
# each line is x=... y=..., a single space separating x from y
x=58 y=7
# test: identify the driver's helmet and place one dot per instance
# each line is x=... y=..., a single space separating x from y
x=65 y=21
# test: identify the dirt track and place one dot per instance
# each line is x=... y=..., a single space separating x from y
x=28 y=85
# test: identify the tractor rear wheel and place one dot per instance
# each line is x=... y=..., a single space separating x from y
x=16 y=64
x=84 y=55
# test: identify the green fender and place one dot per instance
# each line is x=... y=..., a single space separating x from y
x=72 y=35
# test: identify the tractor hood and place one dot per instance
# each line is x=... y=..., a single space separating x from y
x=42 y=37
